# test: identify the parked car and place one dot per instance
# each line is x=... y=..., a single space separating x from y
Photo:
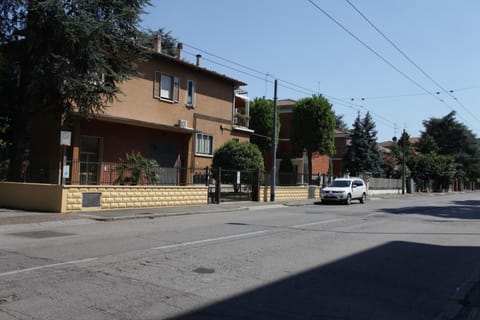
x=345 y=190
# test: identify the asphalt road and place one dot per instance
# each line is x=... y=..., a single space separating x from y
x=402 y=258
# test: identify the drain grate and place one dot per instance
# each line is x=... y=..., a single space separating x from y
x=41 y=234
x=237 y=223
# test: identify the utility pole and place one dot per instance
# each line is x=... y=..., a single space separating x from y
x=274 y=144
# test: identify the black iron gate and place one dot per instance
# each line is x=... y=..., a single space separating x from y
x=233 y=185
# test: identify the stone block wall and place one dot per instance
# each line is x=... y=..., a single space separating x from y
x=125 y=197
x=290 y=193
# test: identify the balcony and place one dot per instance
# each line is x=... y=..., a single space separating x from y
x=241 y=109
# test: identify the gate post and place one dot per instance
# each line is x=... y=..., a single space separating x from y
x=218 y=185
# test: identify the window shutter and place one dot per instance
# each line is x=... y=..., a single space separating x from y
x=176 y=89
x=156 y=84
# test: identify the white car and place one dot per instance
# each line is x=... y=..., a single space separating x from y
x=345 y=190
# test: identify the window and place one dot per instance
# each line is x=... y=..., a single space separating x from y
x=166 y=87
x=204 y=144
x=190 y=93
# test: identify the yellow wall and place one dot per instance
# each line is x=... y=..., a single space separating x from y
x=125 y=197
x=31 y=196
x=45 y=197
x=288 y=193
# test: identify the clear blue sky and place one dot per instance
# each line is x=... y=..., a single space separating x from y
x=295 y=42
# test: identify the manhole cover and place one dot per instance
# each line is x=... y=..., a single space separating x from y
x=41 y=234
x=203 y=270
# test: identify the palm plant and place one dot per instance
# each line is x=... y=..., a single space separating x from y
x=136 y=169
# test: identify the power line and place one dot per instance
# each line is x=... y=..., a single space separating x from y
x=410 y=60
x=379 y=55
x=286 y=84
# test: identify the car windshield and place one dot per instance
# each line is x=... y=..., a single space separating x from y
x=340 y=183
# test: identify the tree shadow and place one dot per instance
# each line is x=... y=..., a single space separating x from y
x=398 y=280
x=462 y=209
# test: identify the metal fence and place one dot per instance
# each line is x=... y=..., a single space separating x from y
x=109 y=173
x=384 y=184
x=294 y=179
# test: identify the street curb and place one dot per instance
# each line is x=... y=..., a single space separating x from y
x=182 y=213
x=157 y=215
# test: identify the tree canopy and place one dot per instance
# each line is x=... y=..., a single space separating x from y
x=313 y=127
x=234 y=155
x=340 y=124
x=63 y=57
x=453 y=138
x=261 y=121
x=362 y=154
x=169 y=42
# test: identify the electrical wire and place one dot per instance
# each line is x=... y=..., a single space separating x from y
x=409 y=59
x=290 y=85
x=380 y=56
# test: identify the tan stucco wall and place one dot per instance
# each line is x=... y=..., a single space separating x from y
x=212 y=114
x=31 y=196
x=120 y=197
x=288 y=193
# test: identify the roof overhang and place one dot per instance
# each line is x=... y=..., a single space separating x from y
x=143 y=124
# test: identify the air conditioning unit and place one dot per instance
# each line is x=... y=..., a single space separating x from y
x=183 y=124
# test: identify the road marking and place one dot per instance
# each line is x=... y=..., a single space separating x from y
x=315 y=223
x=8 y=273
x=235 y=236
x=178 y=245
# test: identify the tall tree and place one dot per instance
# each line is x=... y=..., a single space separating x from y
x=261 y=121
x=64 y=57
x=455 y=139
x=362 y=154
x=169 y=42
x=340 y=124
x=397 y=152
x=313 y=127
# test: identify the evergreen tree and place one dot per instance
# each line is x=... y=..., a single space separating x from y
x=455 y=139
x=169 y=43
x=362 y=155
x=340 y=123
x=63 y=57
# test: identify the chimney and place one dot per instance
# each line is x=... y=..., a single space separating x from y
x=198 y=59
x=157 y=44
x=179 y=50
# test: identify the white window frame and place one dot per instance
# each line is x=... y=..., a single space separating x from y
x=203 y=144
x=173 y=87
x=190 y=93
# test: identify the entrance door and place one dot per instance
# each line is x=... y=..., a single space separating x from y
x=167 y=156
x=89 y=160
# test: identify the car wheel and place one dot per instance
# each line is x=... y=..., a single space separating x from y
x=349 y=199
x=363 y=199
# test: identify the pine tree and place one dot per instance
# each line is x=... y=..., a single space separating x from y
x=362 y=155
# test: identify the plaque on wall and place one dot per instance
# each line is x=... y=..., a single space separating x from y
x=91 y=199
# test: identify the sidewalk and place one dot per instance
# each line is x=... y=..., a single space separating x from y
x=11 y=217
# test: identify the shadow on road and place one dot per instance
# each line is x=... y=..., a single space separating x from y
x=466 y=209
x=399 y=280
